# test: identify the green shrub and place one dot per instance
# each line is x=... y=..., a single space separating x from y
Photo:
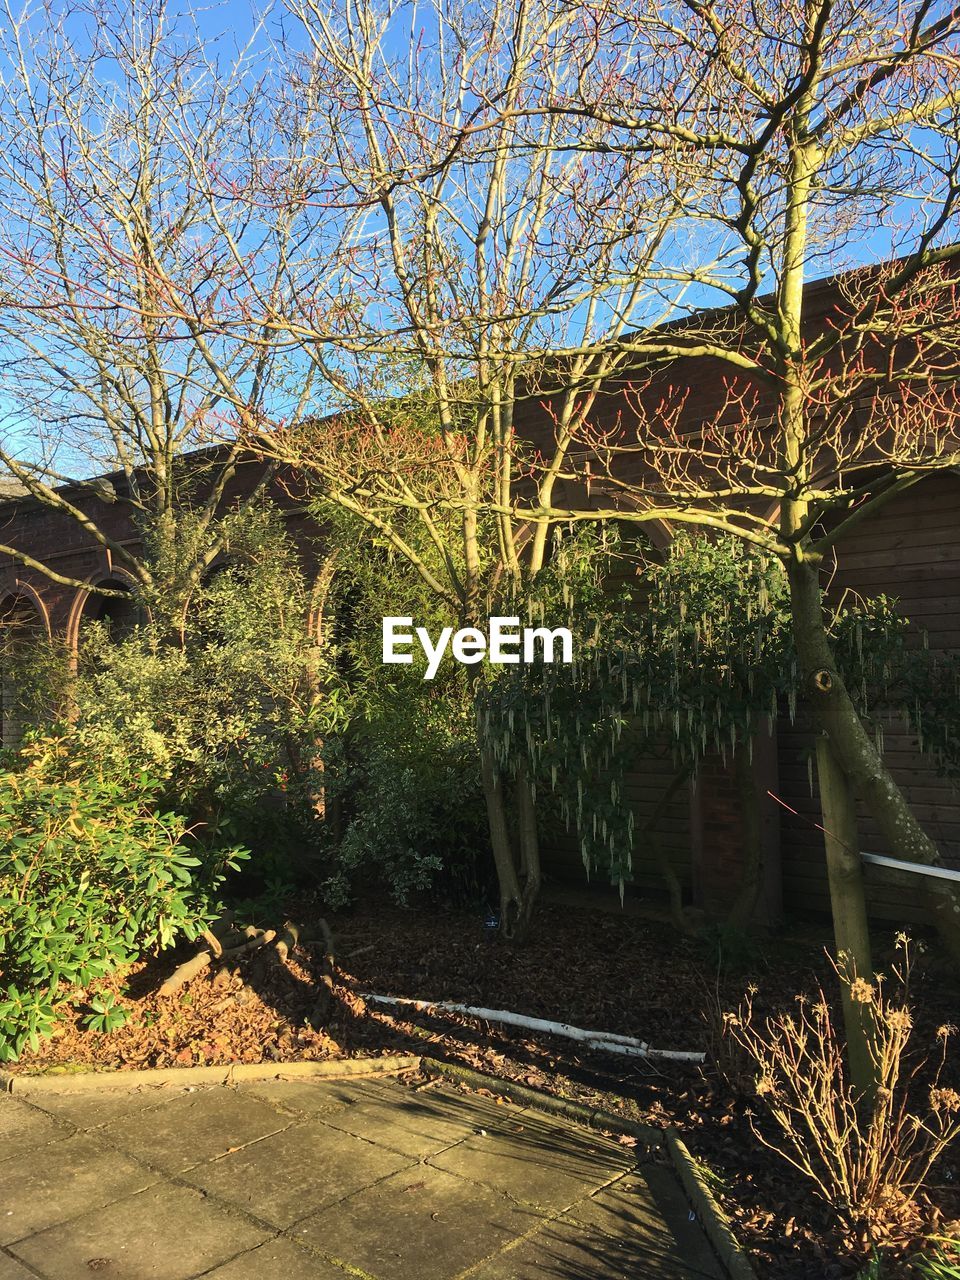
x=419 y=827
x=226 y=712
x=402 y=775
x=91 y=877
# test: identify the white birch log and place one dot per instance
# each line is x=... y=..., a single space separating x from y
x=606 y=1041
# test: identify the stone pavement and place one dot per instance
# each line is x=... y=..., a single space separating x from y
x=320 y=1180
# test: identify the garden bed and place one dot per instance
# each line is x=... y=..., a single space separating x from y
x=592 y=968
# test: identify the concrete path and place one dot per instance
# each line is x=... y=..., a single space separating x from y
x=322 y=1181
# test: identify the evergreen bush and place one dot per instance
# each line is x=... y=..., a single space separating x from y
x=92 y=875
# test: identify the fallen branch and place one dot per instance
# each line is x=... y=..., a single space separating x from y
x=605 y=1041
x=184 y=972
x=254 y=939
x=287 y=940
x=361 y=951
x=321 y=1010
x=275 y=956
x=213 y=942
x=260 y=939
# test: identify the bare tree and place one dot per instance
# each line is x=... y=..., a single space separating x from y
x=479 y=261
x=137 y=279
x=542 y=203
x=820 y=133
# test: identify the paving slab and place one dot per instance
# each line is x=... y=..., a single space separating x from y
x=536 y=1161
x=90 y=1109
x=421 y=1222
x=278 y=1259
x=648 y=1209
x=291 y=1174
x=19 y=1122
x=193 y=1128
x=166 y=1233
x=567 y=1249
x=559 y=1253
x=308 y=1097
x=10 y=1269
x=413 y=1124
x=61 y=1180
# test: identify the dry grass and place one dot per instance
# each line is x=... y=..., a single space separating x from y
x=867 y=1156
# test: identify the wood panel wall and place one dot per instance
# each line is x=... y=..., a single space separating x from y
x=645 y=784
x=910 y=551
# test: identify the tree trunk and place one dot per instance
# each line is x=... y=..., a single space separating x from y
x=848 y=905
x=512 y=899
x=516 y=899
x=836 y=715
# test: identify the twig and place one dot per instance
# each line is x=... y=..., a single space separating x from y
x=213 y=942
x=260 y=939
x=254 y=940
x=360 y=951
x=321 y=1010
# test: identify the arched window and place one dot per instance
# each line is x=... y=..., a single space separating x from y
x=22 y=626
x=119 y=614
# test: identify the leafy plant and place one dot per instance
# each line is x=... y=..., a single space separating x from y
x=679 y=655
x=401 y=772
x=91 y=877
x=875 y=1269
x=418 y=827
x=867 y=1156
x=683 y=654
x=105 y=1015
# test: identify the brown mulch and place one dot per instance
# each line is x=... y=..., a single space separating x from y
x=592 y=968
